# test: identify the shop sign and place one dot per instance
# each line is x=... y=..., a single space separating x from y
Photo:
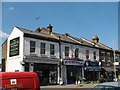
x=92 y=68
x=92 y=64
x=73 y=62
x=14 y=47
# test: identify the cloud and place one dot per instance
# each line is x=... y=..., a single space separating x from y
x=3 y=35
x=11 y=8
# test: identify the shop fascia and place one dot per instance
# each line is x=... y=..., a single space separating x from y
x=92 y=66
x=73 y=62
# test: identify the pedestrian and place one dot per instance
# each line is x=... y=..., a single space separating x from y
x=77 y=79
x=101 y=79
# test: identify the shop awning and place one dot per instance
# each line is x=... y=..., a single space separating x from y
x=93 y=68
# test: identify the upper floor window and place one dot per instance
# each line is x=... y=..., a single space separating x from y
x=94 y=55
x=87 y=54
x=66 y=51
x=42 y=48
x=52 y=49
x=108 y=57
x=32 y=46
x=76 y=52
x=103 y=56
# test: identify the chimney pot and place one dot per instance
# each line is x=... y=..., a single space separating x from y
x=95 y=39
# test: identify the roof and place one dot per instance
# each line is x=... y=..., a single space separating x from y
x=35 y=33
x=53 y=35
x=65 y=37
x=100 y=45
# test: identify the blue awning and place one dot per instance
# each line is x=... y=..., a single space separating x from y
x=93 y=68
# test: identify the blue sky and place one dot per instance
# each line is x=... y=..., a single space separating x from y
x=79 y=19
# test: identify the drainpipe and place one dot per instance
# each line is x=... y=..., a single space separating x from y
x=60 y=62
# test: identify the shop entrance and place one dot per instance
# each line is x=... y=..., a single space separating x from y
x=47 y=73
x=72 y=71
x=91 y=75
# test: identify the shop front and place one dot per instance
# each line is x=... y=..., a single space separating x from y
x=108 y=73
x=92 y=71
x=47 y=69
x=73 y=68
x=47 y=73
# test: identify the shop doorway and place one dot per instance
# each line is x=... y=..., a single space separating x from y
x=91 y=75
x=47 y=73
x=72 y=71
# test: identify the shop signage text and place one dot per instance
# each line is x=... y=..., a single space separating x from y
x=73 y=62
x=14 y=47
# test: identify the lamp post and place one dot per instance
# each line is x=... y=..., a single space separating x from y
x=114 y=61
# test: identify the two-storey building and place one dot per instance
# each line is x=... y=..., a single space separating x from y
x=57 y=58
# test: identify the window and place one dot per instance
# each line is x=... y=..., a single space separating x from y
x=76 y=52
x=87 y=54
x=52 y=49
x=26 y=67
x=42 y=48
x=103 y=56
x=66 y=51
x=94 y=55
x=117 y=58
x=108 y=57
x=32 y=46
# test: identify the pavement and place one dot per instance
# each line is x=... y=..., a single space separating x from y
x=70 y=86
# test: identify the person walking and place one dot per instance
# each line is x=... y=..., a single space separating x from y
x=77 y=79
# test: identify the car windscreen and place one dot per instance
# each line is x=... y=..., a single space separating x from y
x=105 y=87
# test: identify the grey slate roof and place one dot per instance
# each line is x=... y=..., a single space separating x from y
x=35 y=33
x=64 y=37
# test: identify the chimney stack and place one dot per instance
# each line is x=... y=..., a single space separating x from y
x=95 y=39
x=49 y=27
x=38 y=29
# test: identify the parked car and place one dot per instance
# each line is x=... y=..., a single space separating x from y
x=107 y=86
x=19 y=81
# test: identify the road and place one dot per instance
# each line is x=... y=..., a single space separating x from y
x=68 y=87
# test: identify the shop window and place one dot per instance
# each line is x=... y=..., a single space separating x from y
x=42 y=48
x=32 y=46
x=117 y=58
x=108 y=57
x=94 y=55
x=52 y=49
x=26 y=67
x=66 y=51
x=76 y=52
x=103 y=56
x=87 y=54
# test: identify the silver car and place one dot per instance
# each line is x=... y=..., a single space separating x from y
x=107 y=86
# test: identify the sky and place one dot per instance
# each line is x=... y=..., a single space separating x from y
x=79 y=19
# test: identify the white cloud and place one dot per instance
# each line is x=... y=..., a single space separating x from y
x=3 y=35
x=11 y=8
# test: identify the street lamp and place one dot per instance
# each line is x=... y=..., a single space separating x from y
x=114 y=61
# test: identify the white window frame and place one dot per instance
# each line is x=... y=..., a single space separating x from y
x=32 y=47
x=42 y=48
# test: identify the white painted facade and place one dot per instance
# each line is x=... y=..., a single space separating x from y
x=82 y=56
x=37 y=48
x=15 y=62
x=82 y=51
